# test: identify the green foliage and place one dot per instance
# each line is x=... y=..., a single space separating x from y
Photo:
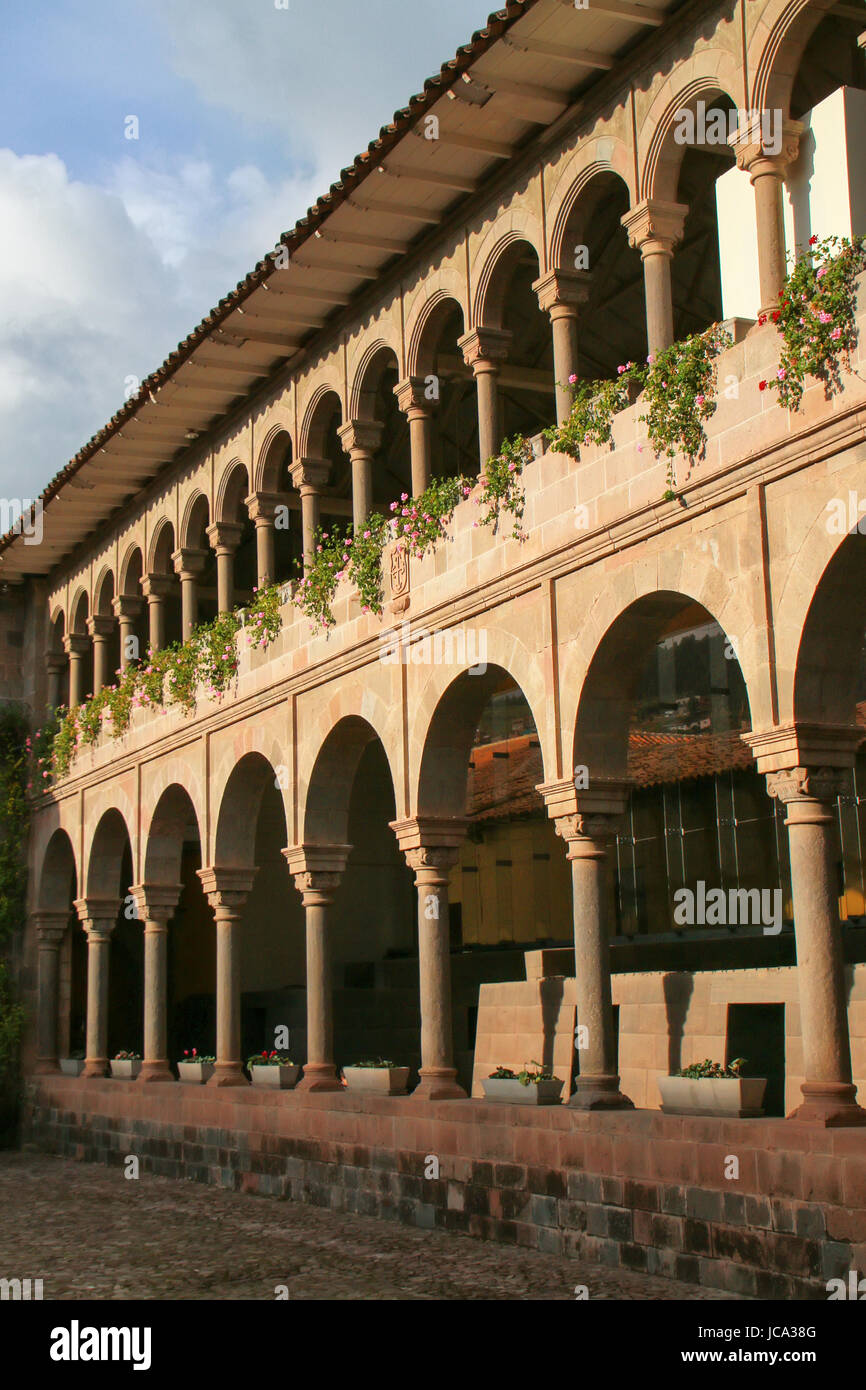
x=595 y=403
x=270 y=1059
x=816 y=319
x=525 y=1077
x=708 y=1068
x=680 y=395
x=15 y=746
x=502 y=487
x=377 y=1063
x=11 y=1027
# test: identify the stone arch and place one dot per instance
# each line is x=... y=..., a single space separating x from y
x=312 y=441
x=661 y=164
x=239 y=806
x=424 y=329
x=276 y=446
x=161 y=548
x=496 y=258
x=325 y=813
x=103 y=592
x=231 y=491
x=173 y=815
x=131 y=570
x=606 y=155
x=57 y=626
x=447 y=715
x=195 y=521
x=79 y=611
x=379 y=355
x=776 y=48
x=828 y=668
x=57 y=875
x=104 y=871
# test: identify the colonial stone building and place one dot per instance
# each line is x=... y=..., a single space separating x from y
x=454 y=852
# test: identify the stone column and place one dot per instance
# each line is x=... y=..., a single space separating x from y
x=586 y=822
x=98 y=917
x=309 y=477
x=767 y=175
x=484 y=349
x=188 y=565
x=100 y=627
x=561 y=294
x=432 y=848
x=76 y=646
x=156 y=589
x=227 y=891
x=317 y=870
x=55 y=665
x=50 y=928
x=225 y=537
x=418 y=409
x=829 y=1095
x=360 y=440
x=262 y=508
x=155 y=904
x=654 y=228
x=127 y=608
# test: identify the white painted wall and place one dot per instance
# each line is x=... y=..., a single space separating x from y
x=825 y=195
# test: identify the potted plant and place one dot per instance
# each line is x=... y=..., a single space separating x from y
x=126 y=1065
x=379 y=1078
x=196 y=1067
x=74 y=1064
x=526 y=1087
x=709 y=1088
x=274 y=1070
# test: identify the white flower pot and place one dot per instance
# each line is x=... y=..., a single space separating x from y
x=737 y=1097
x=510 y=1090
x=124 y=1068
x=195 y=1073
x=377 y=1081
x=72 y=1066
x=275 y=1078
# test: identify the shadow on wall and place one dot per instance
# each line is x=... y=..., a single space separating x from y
x=678 y=990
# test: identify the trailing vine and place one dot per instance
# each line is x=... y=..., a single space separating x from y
x=595 y=403
x=680 y=396
x=14 y=752
x=816 y=318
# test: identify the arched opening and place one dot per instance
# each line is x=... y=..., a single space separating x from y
x=58 y=889
x=324 y=443
x=612 y=323
x=392 y=463
x=830 y=688
x=162 y=565
x=526 y=382
x=109 y=878
x=375 y=957
x=831 y=59
x=276 y=479
x=133 y=605
x=103 y=607
x=173 y=857
x=252 y=834
x=233 y=509
x=195 y=538
x=696 y=277
x=59 y=661
x=84 y=645
x=451 y=391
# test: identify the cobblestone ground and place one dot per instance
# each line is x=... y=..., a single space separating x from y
x=88 y=1232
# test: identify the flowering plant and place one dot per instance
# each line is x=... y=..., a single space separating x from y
x=502 y=485
x=192 y=1054
x=270 y=1059
x=680 y=395
x=594 y=405
x=127 y=1057
x=708 y=1068
x=815 y=317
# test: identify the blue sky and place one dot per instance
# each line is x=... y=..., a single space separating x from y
x=114 y=248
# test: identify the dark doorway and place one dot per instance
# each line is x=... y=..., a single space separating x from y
x=757 y=1032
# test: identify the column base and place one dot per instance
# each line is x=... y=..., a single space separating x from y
x=228 y=1074
x=320 y=1076
x=439 y=1083
x=830 y=1104
x=155 y=1071
x=95 y=1066
x=599 y=1093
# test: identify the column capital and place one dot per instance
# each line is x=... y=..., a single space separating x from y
x=156 y=902
x=261 y=506
x=655 y=227
x=483 y=348
x=752 y=156
x=787 y=747
x=188 y=561
x=101 y=625
x=127 y=605
x=562 y=289
x=310 y=473
x=363 y=436
x=50 y=927
x=586 y=816
x=76 y=644
x=317 y=870
x=157 y=586
x=97 y=915
x=412 y=398
x=807 y=784
x=431 y=845
x=226 y=889
x=225 y=536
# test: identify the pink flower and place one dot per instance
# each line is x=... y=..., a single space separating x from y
x=699 y=400
x=821 y=273
x=393 y=506
x=825 y=317
x=404 y=497
x=572 y=380
x=781 y=374
x=836 y=334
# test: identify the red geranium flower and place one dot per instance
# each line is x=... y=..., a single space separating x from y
x=762 y=385
x=812 y=240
